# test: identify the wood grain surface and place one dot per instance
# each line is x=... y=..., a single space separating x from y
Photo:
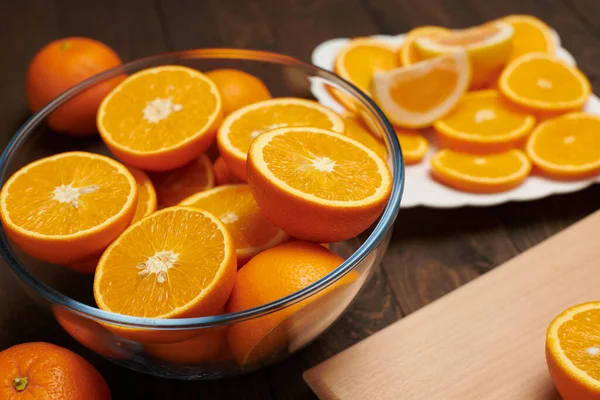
x=432 y=251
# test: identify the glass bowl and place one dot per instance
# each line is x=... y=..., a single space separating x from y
x=197 y=348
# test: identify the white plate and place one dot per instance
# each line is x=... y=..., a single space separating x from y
x=420 y=188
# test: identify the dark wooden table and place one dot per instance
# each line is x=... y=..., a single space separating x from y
x=432 y=251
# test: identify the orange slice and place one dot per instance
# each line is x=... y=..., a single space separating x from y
x=174 y=186
x=531 y=35
x=241 y=127
x=572 y=351
x=69 y=206
x=160 y=118
x=223 y=175
x=176 y=263
x=356 y=130
x=484 y=122
x=544 y=83
x=316 y=184
x=490 y=173
x=414 y=146
x=567 y=147
x=417 y=95
x=489 y=46
x=235 y=206
x=408 y=53
x=146 y=203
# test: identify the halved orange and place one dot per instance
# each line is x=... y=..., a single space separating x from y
x=69 y=206
x=567 y=147
x=531 y=35
x=491 y=173
x=316 y=184
x=146 y=203
x=489 y=46
x=408 y=53
x=175 y=185
x=572 y=351
x=543 y=83
x=160 y=118
x=357 y=62
x=357 y=131
x=223 y=175
x=176 y=263
x=241 y=127
x=484 y=122
x=417 y=95
x=414 y=145
x=235 y=206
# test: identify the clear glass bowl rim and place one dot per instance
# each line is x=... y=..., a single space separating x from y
x=385 y=222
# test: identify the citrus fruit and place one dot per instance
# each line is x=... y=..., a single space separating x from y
x=270 y=276
x=223 y=175
x=491 y=173
x=414 y=145
x=484 y=122
x=44 y=371
x=176 y=263
x=69 y=206
x=357 y=62
x=240 y=128
x=160 y=118
x=59 y=66
x=567 y=147
x=146 y=203
x=408 y=54
x=208 y=345
x=356 y=130
x=544 y=83
x=530 y=35
x=316 y=184
x=175 y=185
x=572 y=351
x=238 y=88
x=235 y=206
x=417 y=95
x=489 y=46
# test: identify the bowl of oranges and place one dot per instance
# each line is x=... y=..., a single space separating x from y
x=213 y=220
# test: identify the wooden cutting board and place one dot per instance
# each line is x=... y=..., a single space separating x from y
x=484 y=340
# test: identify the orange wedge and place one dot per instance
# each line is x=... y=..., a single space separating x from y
x=160 y=118
x=316 y=184
x=572 y=351
x=69 y=206
x=223 y=175
x=567 y=147
x=531 y=35
x=543 y=83
x=484 y=122
x=490 y=173
x=174 y=186
x=414 y=146
x=489 y=46
x=357 y=131
x=235 y=206
x=417 y=95
x=357 y=62
x=408 y=53
x=240 y=128
x=176 y=263
x=146 y=203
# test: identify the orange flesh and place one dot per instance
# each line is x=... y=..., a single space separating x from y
x=361 y=61
x=298 y=158
x=145 y=195
x=495 y=165
x=578 y=335
x=528 y=38
x=355 y=130
x=469 y=36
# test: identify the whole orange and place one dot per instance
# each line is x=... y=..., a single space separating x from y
x=61 y=65
x=45 y=371
x=238 y=88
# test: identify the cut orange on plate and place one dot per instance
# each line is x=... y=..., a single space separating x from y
x=408 y=53
x=316 y=184
x=484 y=122
x=223 y=175
x=240 y=128
x=270 y=276
x=417 y=95
x=544 y=83
x=235 y=206
x=567 y=147
x=69 y=206
x=175 y=185
x=357 y=62
x=489 y=46
x=176 y=263
x=531 y=35
x=357 y=131
x=490 y=173
x=160 y=118
x=414 y=146
x=146 y=203
x=572 y=352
